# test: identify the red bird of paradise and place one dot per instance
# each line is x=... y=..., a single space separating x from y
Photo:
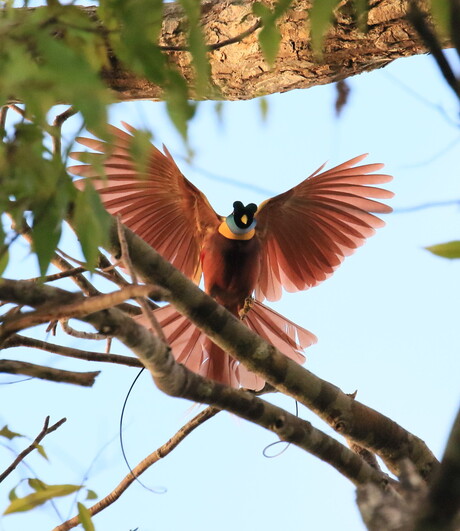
x=294 y=241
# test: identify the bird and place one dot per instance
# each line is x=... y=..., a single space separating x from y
x=292 y=241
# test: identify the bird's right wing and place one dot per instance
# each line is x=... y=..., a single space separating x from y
x=159 y=204
x=307 y=231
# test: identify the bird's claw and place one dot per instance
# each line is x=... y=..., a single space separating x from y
x=248 y=303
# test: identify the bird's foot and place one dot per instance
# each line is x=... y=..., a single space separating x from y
x=248 y=302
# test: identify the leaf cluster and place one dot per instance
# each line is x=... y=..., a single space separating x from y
x=56 y=54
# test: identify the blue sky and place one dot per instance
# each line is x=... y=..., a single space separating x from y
x=387 y=321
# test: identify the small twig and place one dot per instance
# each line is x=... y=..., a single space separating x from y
x=218 y=45
x=96 y=336
x=426 y=32
x=62 y=264
x=85 y=379
x=17 y=109
x=57 y=125
x=57 y=276
x=369 y=457
x=71 y=258
x=107 y=267
x=47 y=429
x=114 y=276
x=3 y=115
x=24 y=341
x=52 y=327
x=343 y=91
x=146 y=310
x=84 y=306
x=435 y=204
x=432 y=158
x=155 y=456
x=407 y=88
x=108 y=345
x=82 y=282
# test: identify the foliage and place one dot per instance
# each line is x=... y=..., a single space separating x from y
x=42 y=493
x=446 y=250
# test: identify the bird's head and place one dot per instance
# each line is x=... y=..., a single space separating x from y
x=240 y=224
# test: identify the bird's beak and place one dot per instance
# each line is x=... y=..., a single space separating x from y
x=244 y=219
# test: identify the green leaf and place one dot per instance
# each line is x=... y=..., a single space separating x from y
x=6 y=432
x=321 y=16
x=446 y=250
x=91 y=223
x=140 y=148
x=46 y=232
x=263 y=106
x=12 y=494
x=180 y=110
x=40 y=497
x=41 y=451
x=362 y=12
x=85 y=517
x=281 y=7
x=4 y=258
x=91 y=495
x=269 y=36
x=4 y=254
x=197 y=45
x=74 y=80
x=136 y=26
x=219 y=110
x=441 y=12
x=37 y=484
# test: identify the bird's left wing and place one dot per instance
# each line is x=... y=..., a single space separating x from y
x=159 y=204
x=307 y=231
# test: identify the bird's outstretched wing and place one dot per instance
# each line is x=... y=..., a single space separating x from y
x=307 y=231
x=159 y=204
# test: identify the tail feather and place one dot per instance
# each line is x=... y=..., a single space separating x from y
x=286 y=336
x=196 y=351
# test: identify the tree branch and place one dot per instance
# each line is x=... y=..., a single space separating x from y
x=23 y=341
x=85 y=379
x=442 y=505
x=230 y=30
x=45 y=431
x=151 y=459
x=425 y=29
x=83 y=306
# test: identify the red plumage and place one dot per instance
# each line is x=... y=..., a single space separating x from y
x=294 y=241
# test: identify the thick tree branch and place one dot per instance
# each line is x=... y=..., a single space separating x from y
x=441 y=509
x=45 y=431
x=239 y=71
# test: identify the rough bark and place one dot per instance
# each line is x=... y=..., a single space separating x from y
x=239 y=71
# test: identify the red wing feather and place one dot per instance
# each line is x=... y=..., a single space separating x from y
x=307 y=231
x=160 y=205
